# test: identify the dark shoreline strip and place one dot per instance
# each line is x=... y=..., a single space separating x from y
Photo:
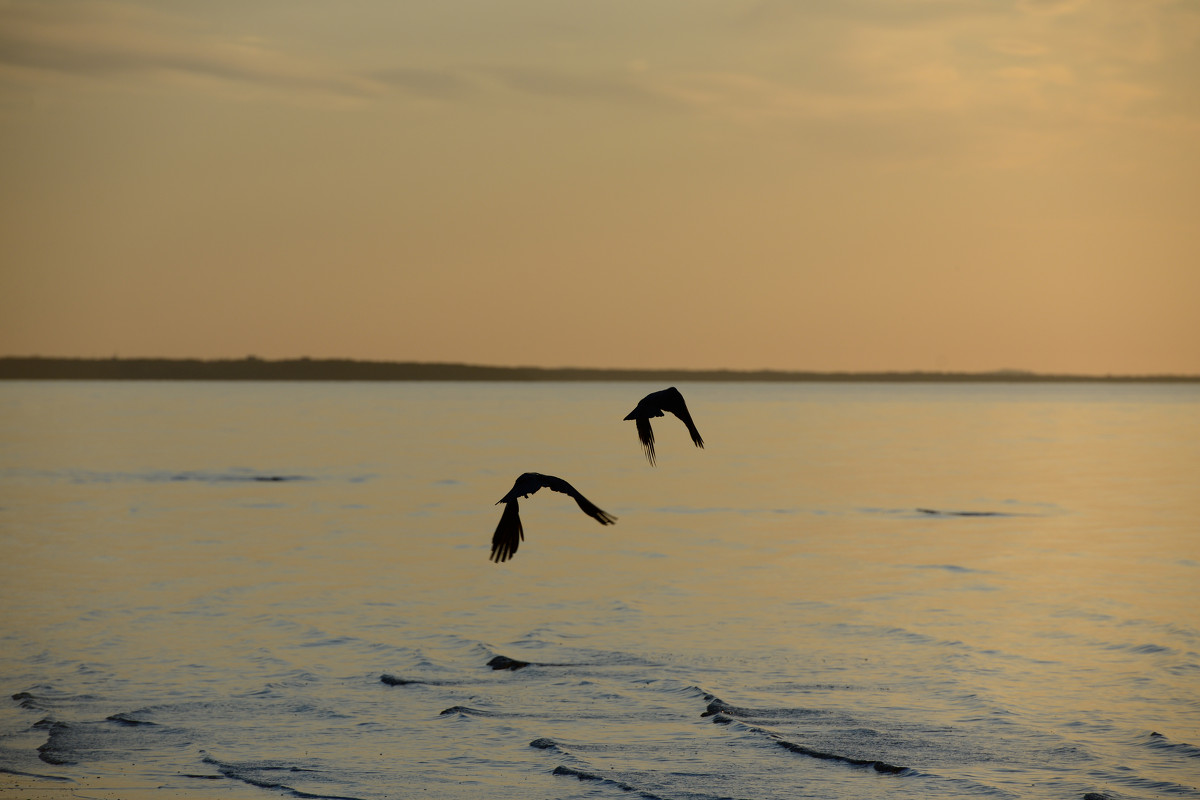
x=306 y=369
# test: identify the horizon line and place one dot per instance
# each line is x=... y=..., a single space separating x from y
x=332 y=369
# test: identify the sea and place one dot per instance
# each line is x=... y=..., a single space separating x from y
x=254 y=590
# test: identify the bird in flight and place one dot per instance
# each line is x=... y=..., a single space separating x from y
x=509 y=533
x=653 y=405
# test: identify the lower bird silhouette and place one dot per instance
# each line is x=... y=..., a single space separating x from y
x=509 y=533
x=653 y=405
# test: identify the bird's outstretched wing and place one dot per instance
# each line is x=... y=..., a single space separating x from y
x=672 y=400
x=646 y=435
x=649 y=406
x=588 y=507
x=525 y=485
x=653 y=405
x=509 y=533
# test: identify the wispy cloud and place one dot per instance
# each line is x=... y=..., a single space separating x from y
x=443 y=84
x=1051 y=7
x=1044 y=67
x=1049 y=63
x=102 y=40
x=629 y=86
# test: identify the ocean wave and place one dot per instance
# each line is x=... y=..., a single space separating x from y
x=543 y=743
x=587 y=659
x=272 y=774
x=696 y=509
x=47 y=698
x=584 y=775
x=1145 y=649
x=724 y=714
x=24 y=774
x=231 y=475
x=111 y=739
x=504 y=662
x=124 y=718
x=719 y=706
x=1140 y=784
x=1016 y=509
x=394 y=680
x=954 y=568
x=500 y=662
x=1157 y=741
x=466 y=711
x=933 y=512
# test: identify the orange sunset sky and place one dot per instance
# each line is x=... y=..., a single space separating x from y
x=790 y=184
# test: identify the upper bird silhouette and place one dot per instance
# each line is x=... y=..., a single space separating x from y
x=653 y=405
x=509 y=533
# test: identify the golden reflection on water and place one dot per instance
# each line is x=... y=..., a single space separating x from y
x=130 y=536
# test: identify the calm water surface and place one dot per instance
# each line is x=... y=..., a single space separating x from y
x=855 y=591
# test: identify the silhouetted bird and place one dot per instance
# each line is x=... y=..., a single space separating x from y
x=509 y=533
x=653 y=405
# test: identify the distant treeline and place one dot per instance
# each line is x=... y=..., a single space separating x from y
x=305 y=369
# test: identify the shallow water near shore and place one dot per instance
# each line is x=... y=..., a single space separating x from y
x=853 y=591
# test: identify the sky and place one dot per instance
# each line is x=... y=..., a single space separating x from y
x=962 y=185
